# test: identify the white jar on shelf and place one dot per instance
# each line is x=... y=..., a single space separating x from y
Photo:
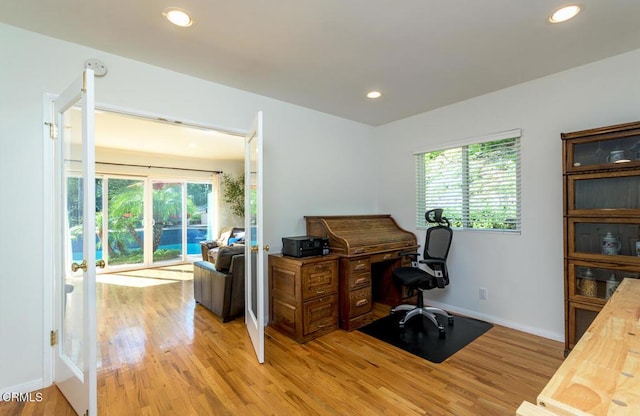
x=611 y=286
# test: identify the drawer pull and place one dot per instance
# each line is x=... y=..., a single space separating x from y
x=360 y=266
x=360 y=280
x=387 y=256
x=321 y=267
x=358 y=251
x=362 y=302
x=321 y=291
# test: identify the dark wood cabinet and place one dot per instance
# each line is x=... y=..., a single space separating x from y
x=303 y=295
x=601 y=187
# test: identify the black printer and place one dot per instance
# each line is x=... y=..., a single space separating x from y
x=305 y=246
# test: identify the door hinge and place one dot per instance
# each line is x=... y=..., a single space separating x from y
x=53 y=338
x=53 y=130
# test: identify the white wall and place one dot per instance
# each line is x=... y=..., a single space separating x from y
x=315 y=163
x=523 y=273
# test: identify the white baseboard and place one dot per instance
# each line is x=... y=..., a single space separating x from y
x=24 y=387
x=498 y=321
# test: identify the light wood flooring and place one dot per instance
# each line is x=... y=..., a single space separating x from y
x=161 y=354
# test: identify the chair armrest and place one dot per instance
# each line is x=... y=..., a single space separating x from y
x=209 y=244
x=442 y=278
x=432 y=261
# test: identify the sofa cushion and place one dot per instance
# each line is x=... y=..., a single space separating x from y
x=229 y=235
x=224 y=238
x=224 y=256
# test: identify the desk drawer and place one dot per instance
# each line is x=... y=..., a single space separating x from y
x=319 y=279
x=359 y=280
x=361 y=265
x=359 y=302
x=320 y=314
x=392 y=255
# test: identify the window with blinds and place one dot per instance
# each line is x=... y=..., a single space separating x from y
x=477 y=184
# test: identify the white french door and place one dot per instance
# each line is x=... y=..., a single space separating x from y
x=255 y=248
x=75 y=278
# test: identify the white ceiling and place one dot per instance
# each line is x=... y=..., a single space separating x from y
x=326 y=54
x=117 y=131
x=143 y=135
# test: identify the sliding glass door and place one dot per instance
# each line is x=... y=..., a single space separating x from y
x=181 y=219
x=124 y=225
x=200 y=216
x=167 y=222
x=143 y=222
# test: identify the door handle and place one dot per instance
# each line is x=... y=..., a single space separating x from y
x=100 y=263
x=75 y=266
x=255 y=249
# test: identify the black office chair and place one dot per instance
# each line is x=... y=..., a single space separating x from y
x=436 y=249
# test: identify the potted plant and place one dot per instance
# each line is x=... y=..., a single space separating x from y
x=233 y=193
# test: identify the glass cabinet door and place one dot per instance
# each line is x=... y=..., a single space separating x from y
x=603 y=151
x=592 y=282
x=580 y=317
x=599 y=239
x=618 y=191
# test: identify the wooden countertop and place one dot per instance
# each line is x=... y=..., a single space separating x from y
x=601 y=375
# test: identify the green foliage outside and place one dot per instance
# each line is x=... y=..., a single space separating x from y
x=233 y=193
x=486 y=163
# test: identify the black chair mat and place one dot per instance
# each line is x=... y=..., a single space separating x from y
x=420 y=336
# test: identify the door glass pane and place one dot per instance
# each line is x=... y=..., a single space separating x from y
x=252 y=181
x=99 y=218
x=200 y=209
x=167 y=221
x=125 y=216
x=72 y=285
x=74 y=185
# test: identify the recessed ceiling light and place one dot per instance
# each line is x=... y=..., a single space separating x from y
x=374 y=94
x=564 y=14
x=178 y=17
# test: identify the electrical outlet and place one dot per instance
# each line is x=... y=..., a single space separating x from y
x=484 y=293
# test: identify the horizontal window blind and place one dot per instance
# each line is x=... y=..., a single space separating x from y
x=477 y=185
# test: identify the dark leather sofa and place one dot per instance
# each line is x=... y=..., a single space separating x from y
x=220 y=287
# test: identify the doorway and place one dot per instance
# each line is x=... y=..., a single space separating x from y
x=144 y=153
x=158 y=188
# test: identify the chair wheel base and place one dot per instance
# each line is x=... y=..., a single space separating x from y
x=450 y=321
